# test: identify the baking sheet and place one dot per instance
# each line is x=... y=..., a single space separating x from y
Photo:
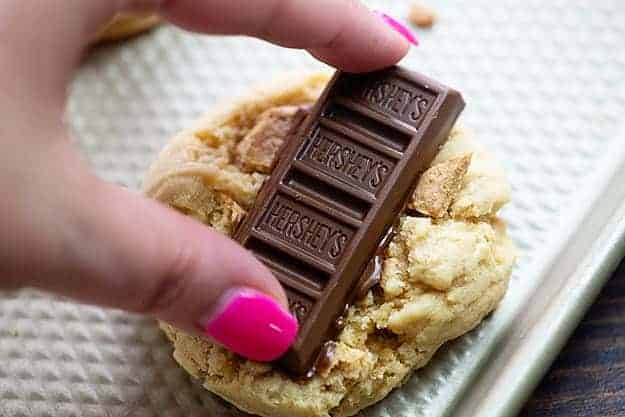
x=545 y=88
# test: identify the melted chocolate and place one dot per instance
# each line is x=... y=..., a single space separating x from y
x=373 y=272
x=324 y=359
x=339 y=323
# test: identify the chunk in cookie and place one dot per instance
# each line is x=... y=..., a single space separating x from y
x=256 y=152
x=438 y=187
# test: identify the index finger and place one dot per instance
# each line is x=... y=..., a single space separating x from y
x=342 y=33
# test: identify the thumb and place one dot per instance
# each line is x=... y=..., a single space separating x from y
x=99 y=243
x=132 y=253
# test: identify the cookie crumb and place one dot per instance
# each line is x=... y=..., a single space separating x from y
x=438 y=187
x=421 y=16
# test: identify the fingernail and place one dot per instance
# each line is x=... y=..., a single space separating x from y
x=251 y=324
x=398 y=27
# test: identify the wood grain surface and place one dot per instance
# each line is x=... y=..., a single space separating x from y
x=588 y=377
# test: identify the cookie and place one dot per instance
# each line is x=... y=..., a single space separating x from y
x=446 y=268
x=125 y=26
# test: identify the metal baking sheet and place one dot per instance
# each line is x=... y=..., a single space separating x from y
x=544 y=86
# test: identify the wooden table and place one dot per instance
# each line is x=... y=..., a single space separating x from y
x=588 y=378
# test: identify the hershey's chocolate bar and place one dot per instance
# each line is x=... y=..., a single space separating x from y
x=340 y=182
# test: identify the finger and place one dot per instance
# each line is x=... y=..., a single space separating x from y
x=124 y=251
x=343 y=33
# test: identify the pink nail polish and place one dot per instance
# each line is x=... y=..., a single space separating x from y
x=251 y=324
x=398 y=27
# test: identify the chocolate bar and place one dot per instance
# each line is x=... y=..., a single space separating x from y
x=340 y=182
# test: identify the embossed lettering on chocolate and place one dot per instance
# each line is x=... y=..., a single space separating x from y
x=340 y=183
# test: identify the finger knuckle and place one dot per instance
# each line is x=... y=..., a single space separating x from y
x=172 y=284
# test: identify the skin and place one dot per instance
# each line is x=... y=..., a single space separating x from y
x=64 y=230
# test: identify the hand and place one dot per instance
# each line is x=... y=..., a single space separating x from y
x=65 y=231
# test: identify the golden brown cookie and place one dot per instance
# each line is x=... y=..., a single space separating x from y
x=441 y=275
x=125 y=26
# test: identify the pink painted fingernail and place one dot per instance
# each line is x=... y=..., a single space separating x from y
x=398 y=27
x=251 y=324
